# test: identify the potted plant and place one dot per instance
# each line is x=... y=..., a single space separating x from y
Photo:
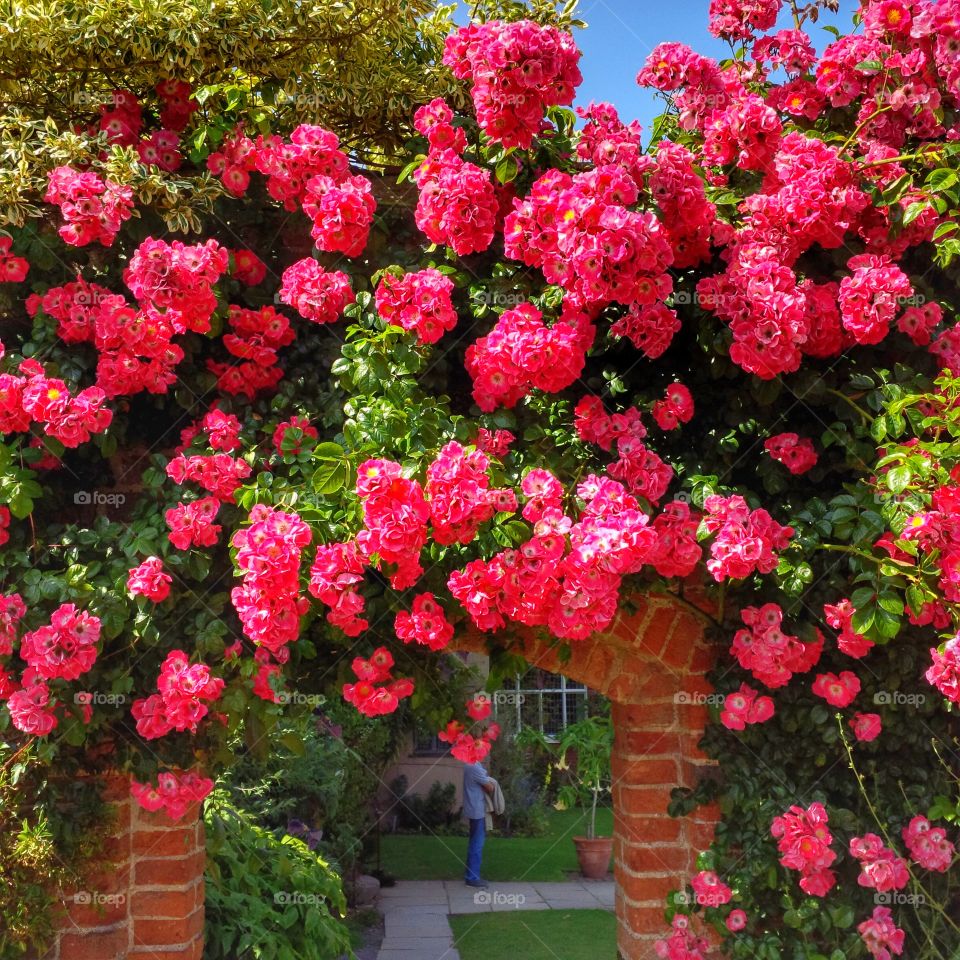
x=582 y=756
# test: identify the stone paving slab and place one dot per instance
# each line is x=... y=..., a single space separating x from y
x=415 y=911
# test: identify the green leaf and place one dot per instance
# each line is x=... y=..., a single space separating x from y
x=330 y=477
x=898 y=479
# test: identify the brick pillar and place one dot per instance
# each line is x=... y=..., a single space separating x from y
x=654 y=751
x=146 y=900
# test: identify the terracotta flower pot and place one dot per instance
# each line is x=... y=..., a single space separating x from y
x=594 y=856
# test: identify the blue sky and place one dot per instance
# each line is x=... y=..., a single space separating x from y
x=621 y=33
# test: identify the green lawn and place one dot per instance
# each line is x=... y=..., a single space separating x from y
x=547 y=858
x=536 y=935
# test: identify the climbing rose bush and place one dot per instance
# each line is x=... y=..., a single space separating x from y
x=531 y=371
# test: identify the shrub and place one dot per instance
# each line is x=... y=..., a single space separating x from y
x=268 y=897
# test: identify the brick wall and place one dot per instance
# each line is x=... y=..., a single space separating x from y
x=651 y=664
x=146 y=900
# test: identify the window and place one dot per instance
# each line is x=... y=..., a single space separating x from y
x=427 y=744
x=549 y=702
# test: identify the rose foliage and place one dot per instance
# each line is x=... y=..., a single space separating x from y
x=500 y=381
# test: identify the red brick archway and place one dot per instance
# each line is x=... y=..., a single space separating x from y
x=651 y=664
x=148 y=901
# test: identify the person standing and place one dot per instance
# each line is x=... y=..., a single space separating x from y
x=476 y=784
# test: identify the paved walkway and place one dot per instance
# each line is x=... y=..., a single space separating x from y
x=415 y=911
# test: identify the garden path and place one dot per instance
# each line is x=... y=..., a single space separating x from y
x=415 y=911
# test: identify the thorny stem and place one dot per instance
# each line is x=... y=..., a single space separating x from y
x=856 y=406
x=882 y=826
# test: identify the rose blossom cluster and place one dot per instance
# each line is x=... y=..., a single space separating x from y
x=76 y=307
x=316 y=294
x=517 y=71
x=289 y=166
x=176 y=280
x=342 y=212
x=12 y=610
x=464 y=746
x=605 y=139
x=881 y=936
x=192 y=524
x=13 y=269
x=220 y=430
x=336 y=572
x=578 y=229
x=458 y=204
x=683 y=943
x=917 y=45
x=649 y=327
x=220 y=474
x=496 y=443
x=688 y=217
x=419 y=301
x=94 y=209
x=745 y=706
x=425 y=623
x=675 y=408
x=944 y=672
x=149 y=580
x=928 y=845
x=369 y=698
x=161 y=149
x=177 y=104
x=136 y=349
x=803 y=839
x=233 y=162
x=268 y=554
x=871 y=296
x=594 y=425
x=66 y=647
x=838 y=689
x=567 y=576
x=395 y=516
x=72 y=419
x=840 y=617
x=459 y=496
x=937 y=533
x=709 y=890
x=30 y=707
x=740 y=19
x=866 y=726
x=185 y=690
x=521 y=353
x=880 y=868
x=174 y=793
x=745 y=541
x=255 y=337
x=796 y=453
x=771 y=655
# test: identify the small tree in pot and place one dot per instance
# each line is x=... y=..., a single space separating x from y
x=582 y=757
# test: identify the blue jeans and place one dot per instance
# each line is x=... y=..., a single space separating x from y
x=478 y=834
